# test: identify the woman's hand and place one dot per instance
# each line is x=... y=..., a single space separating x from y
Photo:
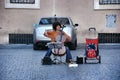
x=68 y=38
x=45 y=34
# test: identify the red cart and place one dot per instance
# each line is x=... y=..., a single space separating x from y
x=91 y=47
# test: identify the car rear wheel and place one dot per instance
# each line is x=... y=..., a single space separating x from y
x=35 y=47
x=74 y=45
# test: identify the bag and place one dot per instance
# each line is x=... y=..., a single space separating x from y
x=79 y=60
x=46 y=60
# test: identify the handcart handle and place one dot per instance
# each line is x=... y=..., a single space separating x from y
x=92 y=28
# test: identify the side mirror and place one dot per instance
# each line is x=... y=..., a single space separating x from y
x=35 y=25
x=76 y=24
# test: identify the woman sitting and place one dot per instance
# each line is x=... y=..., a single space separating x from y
x=53 y=34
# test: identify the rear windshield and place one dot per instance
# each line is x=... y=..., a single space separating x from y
x=46 y=21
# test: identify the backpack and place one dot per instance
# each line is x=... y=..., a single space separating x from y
x=46 y=60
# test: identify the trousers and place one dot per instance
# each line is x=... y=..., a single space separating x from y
x=68 y=54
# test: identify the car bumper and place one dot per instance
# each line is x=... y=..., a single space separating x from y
x=42 y=43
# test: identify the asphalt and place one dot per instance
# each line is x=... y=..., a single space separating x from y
x=21 y=62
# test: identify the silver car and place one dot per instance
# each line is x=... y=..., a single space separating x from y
x=45 y=23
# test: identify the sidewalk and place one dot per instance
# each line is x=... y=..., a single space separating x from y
x=21 y=62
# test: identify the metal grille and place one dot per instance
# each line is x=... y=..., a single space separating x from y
x=23 y=1
x=28 y=38
x=104 y=2
x=109 y=37
x=20 y=38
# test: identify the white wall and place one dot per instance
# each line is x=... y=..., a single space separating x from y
x=81 y=11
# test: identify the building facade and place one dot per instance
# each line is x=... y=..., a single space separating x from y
x=18 y=16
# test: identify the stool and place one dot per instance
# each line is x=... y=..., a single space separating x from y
x=58 y=50
x=58 y=53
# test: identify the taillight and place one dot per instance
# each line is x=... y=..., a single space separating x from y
x=38 y=41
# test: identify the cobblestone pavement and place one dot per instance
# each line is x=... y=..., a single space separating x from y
x=21 y=62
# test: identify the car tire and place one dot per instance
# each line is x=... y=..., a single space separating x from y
x=35 y=47
x=74 y=45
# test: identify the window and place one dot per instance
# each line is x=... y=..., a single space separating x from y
x=22 y=4
x=106 y=4
x=23 y=1
x=45 y=21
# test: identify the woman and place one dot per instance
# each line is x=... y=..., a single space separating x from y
x=53 y=34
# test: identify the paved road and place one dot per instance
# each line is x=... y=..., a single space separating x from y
x=21 y=62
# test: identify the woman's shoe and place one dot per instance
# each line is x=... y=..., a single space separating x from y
x=69 y=61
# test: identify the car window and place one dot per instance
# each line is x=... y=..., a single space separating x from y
x=45 y=21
